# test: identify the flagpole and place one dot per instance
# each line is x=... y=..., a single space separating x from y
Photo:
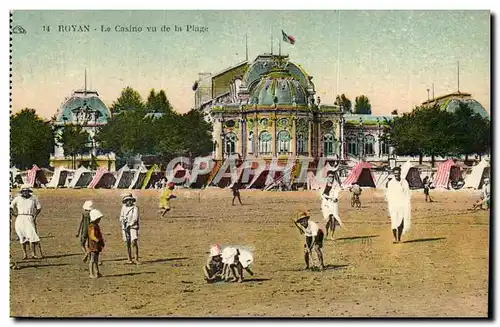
x=271 y=40
x=281 y=40
x=338 y=54
x=246 y=46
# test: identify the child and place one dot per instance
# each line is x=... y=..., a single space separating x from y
x=356 y=192
x=130 y=228
x=427 y=186
x=96 y=243
x=166 y=196
x=314 y=237
x=236 y=192
x=235 y=260
x=83 y=229
x=214 y=269
x=485 y=196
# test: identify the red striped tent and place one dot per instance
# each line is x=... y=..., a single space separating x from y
x=362 y=175
x=36 y=177
x=446 y=171
x=102 y=179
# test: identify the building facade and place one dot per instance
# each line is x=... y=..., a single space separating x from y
x=267 y=109
x=86 y=109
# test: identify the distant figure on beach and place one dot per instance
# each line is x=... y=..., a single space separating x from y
x=236 y=192
x=96 y=243
x=330 y=204
x=129 y=216
x=166 y=196
x=427 y=186
x=485 y=196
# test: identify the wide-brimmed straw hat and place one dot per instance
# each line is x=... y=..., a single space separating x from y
x=88 y=205
x=128 y=198
x=26 y=188
x=95 y=214
x=302 y=216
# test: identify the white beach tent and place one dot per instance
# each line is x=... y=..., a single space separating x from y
x=81 y=177
x=123 y=179
x=60 y=177
x=139 y=176
x=476 y=177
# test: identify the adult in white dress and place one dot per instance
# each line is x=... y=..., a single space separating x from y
x=399 y=204
x=330 y=204
x=26 y=208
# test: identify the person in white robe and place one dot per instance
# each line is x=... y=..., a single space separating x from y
x=330 y=205
x=398 y=197
x=129 y=216
x=26 y=208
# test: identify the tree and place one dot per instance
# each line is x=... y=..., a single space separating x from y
x=344 y=103
x=128 y=100
x=471 y=132
x=31 y=140
x=74 y=140
x=158 y=102
x=362 y=106
x=394 y=112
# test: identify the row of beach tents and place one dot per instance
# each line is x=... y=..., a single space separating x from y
x=250 y=176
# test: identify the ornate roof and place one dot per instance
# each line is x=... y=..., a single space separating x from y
x=453 y=104
x=83 y=106
x=274 y=79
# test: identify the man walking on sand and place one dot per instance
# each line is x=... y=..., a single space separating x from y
x=399 y=204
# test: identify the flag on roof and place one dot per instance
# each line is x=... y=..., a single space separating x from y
x=288 y=38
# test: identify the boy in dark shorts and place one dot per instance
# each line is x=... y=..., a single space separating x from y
x=83 y=229
x=96 y=243
x=214 y=269
x=427 y=186
x=236 y=192
x=314 y=237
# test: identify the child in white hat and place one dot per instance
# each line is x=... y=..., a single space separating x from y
x=96 y=243
x=214 y=269
x=83 y=229
x=130 y=226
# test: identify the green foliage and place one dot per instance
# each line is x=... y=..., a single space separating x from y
x=431 y=131
x=158 y=102
x=129 y=100
x=362 y=106
x=74 y=140
x=165 y=136
x=344 y=103
x=31 y=140
x=394 y=112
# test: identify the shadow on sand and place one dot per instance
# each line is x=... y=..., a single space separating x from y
x=425 y=240
x=164 y=260
x=55 y=256
x=131 y=274
x=355 y=238
x=335 y=267
x=22 y=266
x=250 y=280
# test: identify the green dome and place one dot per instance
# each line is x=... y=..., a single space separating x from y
x=84 y=104
x=281 y=87
x=453 y=104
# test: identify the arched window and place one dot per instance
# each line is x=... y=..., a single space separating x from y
x=328 y=142
x=284 y=142
x=301 y=143
x=230 y=143
x=352 y=146
x=369 y=145
x=384 y=148
x=250 y=143
x=265 y=139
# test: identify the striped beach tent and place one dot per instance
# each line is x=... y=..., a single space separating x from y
x=36 y=174
x=442 y=177
x=98 y=175
x=361 y=174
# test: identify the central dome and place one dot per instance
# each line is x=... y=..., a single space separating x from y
x=85 y=103
x=278 y=87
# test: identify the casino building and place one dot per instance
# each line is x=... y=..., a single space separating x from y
x=268 y=109
x=84 y=108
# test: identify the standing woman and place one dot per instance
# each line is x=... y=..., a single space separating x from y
x=26 y=208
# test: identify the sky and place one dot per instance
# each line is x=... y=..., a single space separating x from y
x=392 y=57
